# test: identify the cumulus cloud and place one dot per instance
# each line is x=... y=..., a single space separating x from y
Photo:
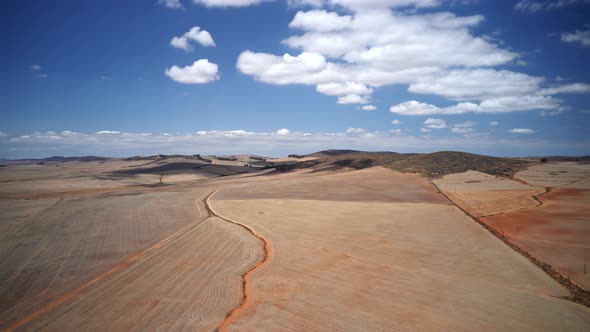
x=228 y=3
x=470 y=84
x=107 y=132
x=321 y=21
x=355 y=131
x=305 y=3
x=579 y=36
x=493 y=105
x=433 y=123
x=174 y=4
x=283 y=132
x=396 y=122
x=340 y=89
x=465 y=127
x=195 y=34
x=201 y=71
x=521 y=131
x=353 y=99
x=379 y=4
x=35 y=68
x=425 y=130
x=433 y=53
x=396 y=131
x=494 y=123
x=368 y=107
x=533 y=6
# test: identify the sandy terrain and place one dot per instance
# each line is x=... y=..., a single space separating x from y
x=102 y=246
x=390 y=266
x=371 y=184
x=189 y=283
x=70 y=241
x=554 y=174
x=482 y=194
x=558 y=232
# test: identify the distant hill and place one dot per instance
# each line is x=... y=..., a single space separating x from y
x=83 y=158
x=432 y=165
x=439 y=164
x=332 y=153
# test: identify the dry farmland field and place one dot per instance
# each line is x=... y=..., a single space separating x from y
x=336 y=242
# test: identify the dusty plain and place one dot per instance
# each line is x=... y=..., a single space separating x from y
x=388 y=266
x=545 y=211
x=201 y=243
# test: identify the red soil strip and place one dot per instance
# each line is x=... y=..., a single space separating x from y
x=578 y=294
x=246 y=283
x=74 y=293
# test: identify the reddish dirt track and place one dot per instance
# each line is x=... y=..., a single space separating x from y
x=557 y=232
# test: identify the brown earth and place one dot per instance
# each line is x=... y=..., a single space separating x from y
x=482 y=194
x=557 y=232
x=91 y=246
x=371 y=184
x=390 y=266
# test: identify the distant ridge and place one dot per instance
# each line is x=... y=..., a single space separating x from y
x=431 y=165
x=439 y=164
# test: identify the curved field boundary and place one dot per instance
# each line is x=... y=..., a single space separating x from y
x=246 y=284
x=578 y=294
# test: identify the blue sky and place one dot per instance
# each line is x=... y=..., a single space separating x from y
x=121 y=78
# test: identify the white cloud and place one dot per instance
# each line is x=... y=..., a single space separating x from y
x=221 y=142
x=494 y=105
x=470 y=84
x=396 y=122
x=378 y=4
x=567 y=88
x=414 y=108
x=368 y=107
x=521 y=131
x=283 y=132
x=353 y=99
x=201 y=71
x=305 y=68
x=433 y=53
x=35 y=68
x=355 y=131
x=174 y=4
x=533 y=6
x=396 y=131
x=195 y=34
x=43 y=75
x=425 y=130
x=305 y=3
x=228 y=3
x=465 y=127
x=107 y=132
x=340 y=89
x=433 y=123
x=321 y=21
x=105 y=78
x=461 y=130
x=580 y=36
x=494 y=123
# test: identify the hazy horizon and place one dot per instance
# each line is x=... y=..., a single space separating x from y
x=279 y=77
